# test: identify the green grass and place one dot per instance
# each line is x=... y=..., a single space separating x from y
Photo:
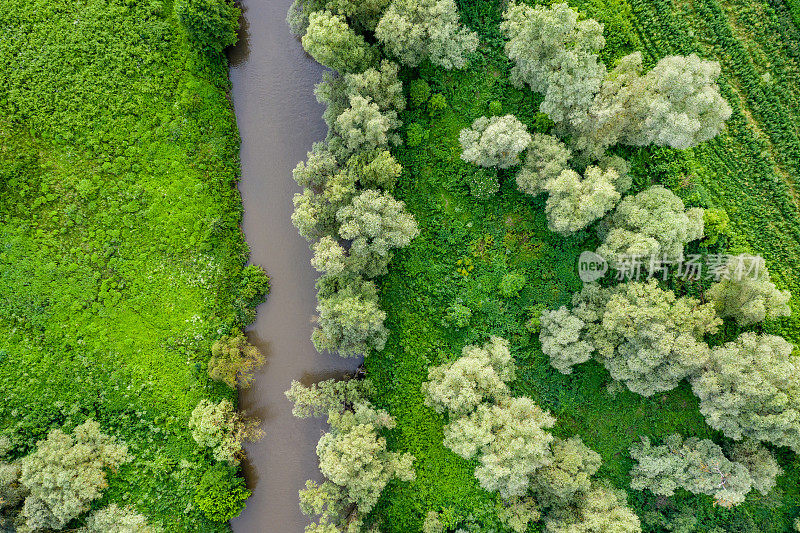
x=748 y=170
x=121 y=257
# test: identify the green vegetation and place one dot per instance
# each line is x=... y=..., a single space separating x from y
x=720 y=147
x=121 y=257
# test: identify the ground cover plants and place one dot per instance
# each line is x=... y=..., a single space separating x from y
x=121 y=265
x=653 y=127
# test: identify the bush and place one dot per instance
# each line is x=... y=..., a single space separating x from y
x=437 y=104
x=458 y=315
x=415 y=135
x=495 y=108
x=212 y=24
x=418 y=92
x=511 y=284
x=221 y=494
x=482 y=182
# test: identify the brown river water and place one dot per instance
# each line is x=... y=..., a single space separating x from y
x=279 y=119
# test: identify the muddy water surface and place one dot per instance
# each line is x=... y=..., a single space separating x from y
x=279 y=119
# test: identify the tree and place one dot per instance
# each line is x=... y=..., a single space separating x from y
x=760 y=463
x=350 y=320
x=325 y=396
x=11 y=491
x=234 y=361
x=563 y=338
x=365 y=13
x=652 y=224
x=212 y=24
x=115 y=519
x=602 y=509
x=698 y=466
x=576 y=202
x=546 y=159
x=556 y=55
x=748 y=295
x=414 y=30
x=221 y=428
x=375 y=223
x=332 y=43
x=480 y=374
x=221 y=494
x=676 y=104
x=568 y=475
x=381 y=85
x=518 y=512
x=352 y=455
x=66 y=473
x=511 y=439
x=751 y=389
x=494 y=141
x=363 y=127
x=645 y=336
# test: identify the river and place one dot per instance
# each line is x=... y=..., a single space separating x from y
x=279 y=119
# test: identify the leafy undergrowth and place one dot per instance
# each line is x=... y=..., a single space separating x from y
x=121 y=257
x=466 y=246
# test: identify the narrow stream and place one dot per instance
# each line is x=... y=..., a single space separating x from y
x=279 y=119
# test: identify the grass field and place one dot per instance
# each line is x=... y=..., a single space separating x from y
x=748 y=170
x=121 y=257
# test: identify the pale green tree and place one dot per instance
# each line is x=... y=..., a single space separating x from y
x=375 y=223
x=350 y=320
x=67 y=472
x=115 y=519
x=675 y=104
x=563 y=338
x=760 y=463
x=234 y=361
x=332 y=43
x=494 y=141
x=574 y=202
x=365 y=13
x=557 y=55
x=414 y=30
x=746 y=293
x=363 y=127
x=509 y=439
x=568 y=475
x=353 y=455
x=479 y=375
x=652 y=224
x=219 y=427
x=601 y=510
x=518 y=513
x=751 y=389
x=546 y=159
x=698 y=466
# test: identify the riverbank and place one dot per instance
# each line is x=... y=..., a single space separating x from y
x=121 y=257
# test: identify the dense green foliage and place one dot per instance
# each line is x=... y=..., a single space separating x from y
x=441 y=292
x=121 y=257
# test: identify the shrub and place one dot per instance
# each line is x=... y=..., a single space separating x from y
x=495 y=108
x=415 y=135
x=437 y=104
x=221 y=494
x=234 y=361
x=482 y=182
x=494 y=141
x=458 y=315
x=511 y=284
x=419 y=91
x=212 y=24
